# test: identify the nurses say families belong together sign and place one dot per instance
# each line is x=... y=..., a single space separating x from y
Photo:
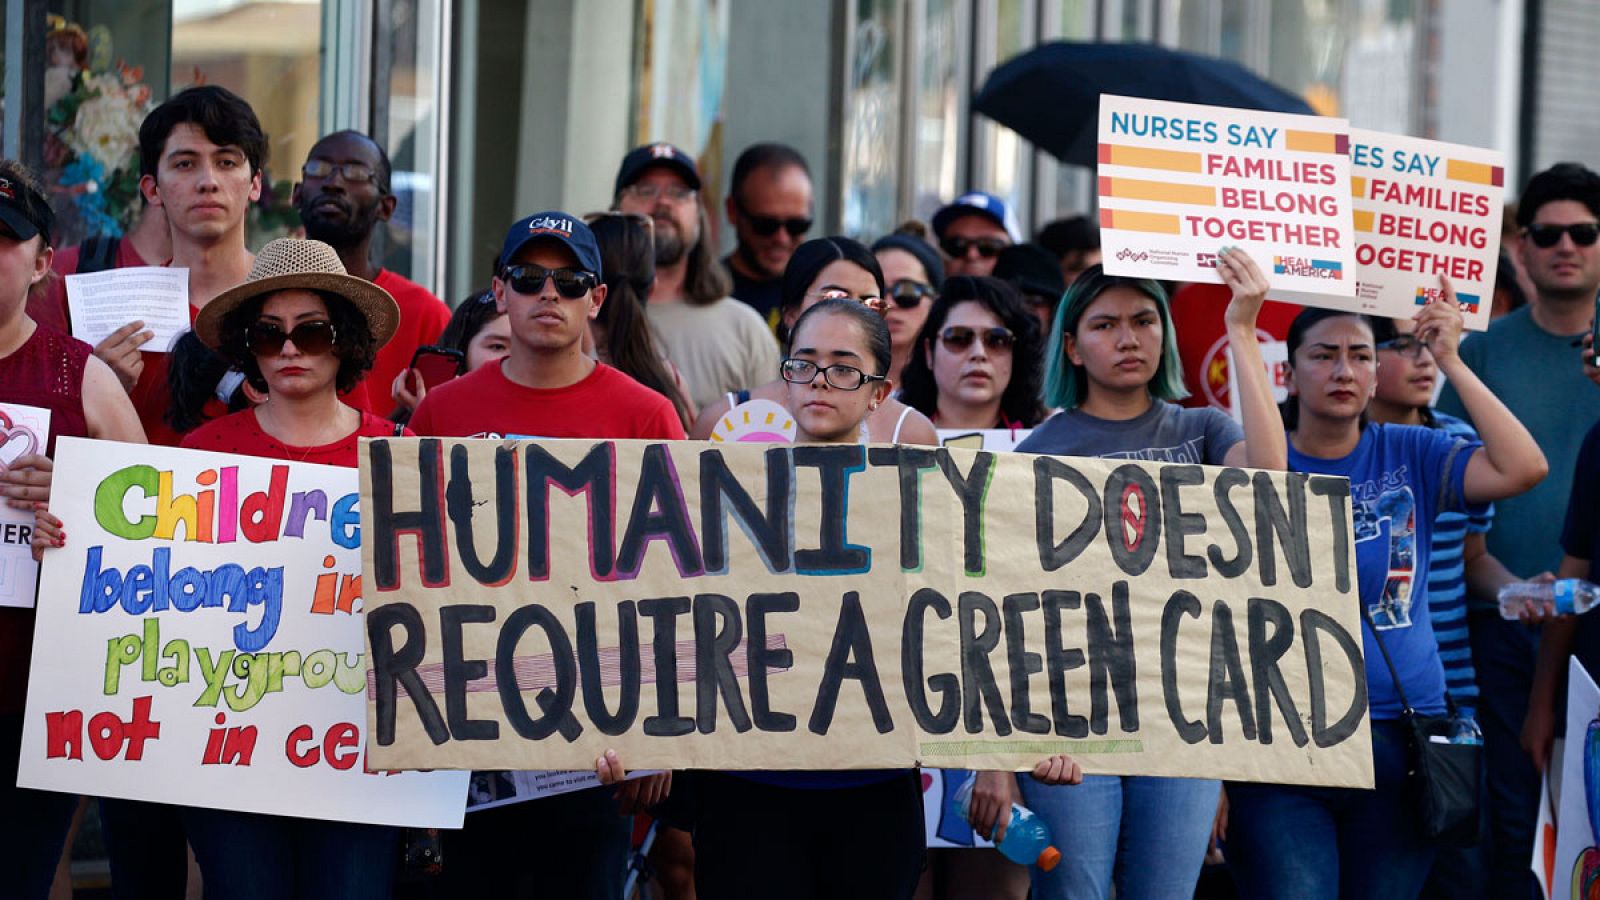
x=1336 y=217
x=530 y=604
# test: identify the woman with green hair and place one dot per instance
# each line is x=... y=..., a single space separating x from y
x=1112 y=368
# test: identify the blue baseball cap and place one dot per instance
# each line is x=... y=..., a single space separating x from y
x=554 y=225
x=657 y=154
x=980 y=204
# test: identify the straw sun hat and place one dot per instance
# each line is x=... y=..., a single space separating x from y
x=289 y=264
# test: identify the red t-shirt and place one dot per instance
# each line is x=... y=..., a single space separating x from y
x=1197 y=317
x=422 y=319
x=606 y=404
x=241 y=433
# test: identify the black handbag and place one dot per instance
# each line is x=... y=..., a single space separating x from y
x=1445 y=779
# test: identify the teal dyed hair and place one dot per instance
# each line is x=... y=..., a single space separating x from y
x=1066 y=385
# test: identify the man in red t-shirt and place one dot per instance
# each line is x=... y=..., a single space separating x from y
x=549 y=286
x=342 y=196
x=1203 y=341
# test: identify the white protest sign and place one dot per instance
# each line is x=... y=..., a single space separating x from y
x=101 y=302
x=487 y=790
x=1425 y=209
x=1577 y=855
x=201 y=641
x=24 y=430
x=1179 y=181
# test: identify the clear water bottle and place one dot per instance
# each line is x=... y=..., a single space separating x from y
x=1568 y=596
x=1465 y=730
x=1027 y=840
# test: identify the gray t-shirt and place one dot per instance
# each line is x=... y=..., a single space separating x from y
x=1164 y=433
x=1539 y=377
x=724 y=346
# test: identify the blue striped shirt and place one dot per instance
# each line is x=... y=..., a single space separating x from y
x=1447 y=586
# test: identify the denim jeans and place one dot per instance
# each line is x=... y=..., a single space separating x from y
x=33 y=824
x=1328 y=843
x=1146 y=835
x=146 y=849
x=246 y=856
x=1504 y=654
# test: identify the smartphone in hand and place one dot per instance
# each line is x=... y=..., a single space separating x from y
x=437 y=364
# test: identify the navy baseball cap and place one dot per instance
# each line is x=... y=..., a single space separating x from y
x=657 y=154
x=976 y=203
x=555 y=225
x=23 y=211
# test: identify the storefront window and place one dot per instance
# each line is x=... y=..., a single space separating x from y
x=936 y=136
x=1002 y=158
x=1072 y=191
x=412 y=133
x=871 y=119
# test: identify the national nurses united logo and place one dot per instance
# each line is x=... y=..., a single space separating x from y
x=1305 y=267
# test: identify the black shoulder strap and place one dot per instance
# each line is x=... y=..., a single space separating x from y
x=1394 y=676
x=98 y=253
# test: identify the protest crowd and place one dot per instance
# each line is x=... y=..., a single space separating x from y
x=624 y=324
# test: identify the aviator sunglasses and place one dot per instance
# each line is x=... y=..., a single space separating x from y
x=1544 y=236
x=529 y=280
x=957 y=338
x=310 y=338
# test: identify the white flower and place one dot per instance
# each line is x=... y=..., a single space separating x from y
x=107 y=125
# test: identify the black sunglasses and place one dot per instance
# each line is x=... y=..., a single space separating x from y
x=1544 y=236
x=988 y=248
x=310 y=338
x=529 y=280
x=957 y=338
x=767 y=226
x=907 y=293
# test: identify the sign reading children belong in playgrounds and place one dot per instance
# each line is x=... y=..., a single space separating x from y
x=532 y=603
x=1179 y=181
x=199 y=641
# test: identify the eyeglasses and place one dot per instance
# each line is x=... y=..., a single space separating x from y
x=957 y=338
x=767 y=226
x=352 y=172
x=310 y=338
x=1545 y=236
x=843 y=377
x=870 y=301
x=1408 y=345
x=907 y=293
x=988 y=248
x=650 y=193
x=570 y=283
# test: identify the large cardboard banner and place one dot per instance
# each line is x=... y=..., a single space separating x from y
x=530 y=604
x=1179 y=181
x=199 y=641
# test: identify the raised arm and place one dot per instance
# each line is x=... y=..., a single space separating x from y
x=1264 y=445
x=1510 y=461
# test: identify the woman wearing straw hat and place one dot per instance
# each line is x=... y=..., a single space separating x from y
x=303 y=332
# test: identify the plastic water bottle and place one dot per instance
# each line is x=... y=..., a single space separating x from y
x=1027 y=840
x=1465 y=730
x=1569 y=596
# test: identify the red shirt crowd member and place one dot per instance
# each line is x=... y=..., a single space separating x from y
x=550 y=287
x=303 y=332
x=44 y=368
x=342 y=197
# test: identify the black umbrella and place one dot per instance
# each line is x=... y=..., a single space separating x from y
x=1051 y=94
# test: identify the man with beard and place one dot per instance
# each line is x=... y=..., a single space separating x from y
x=342 y=196
x=719 y=344
x=769 y=206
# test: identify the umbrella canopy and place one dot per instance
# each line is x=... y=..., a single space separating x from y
x=1051 y=94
